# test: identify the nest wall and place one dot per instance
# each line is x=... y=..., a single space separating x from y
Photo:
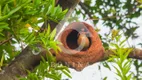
x=74 y=57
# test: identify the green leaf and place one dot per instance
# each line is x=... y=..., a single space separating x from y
x=114 y=51
x=65 y=11
x=121 y=56
x=52 y=76
x=49 y=10
x=105 y=78
x=126 y=63
x=0 y=10
x=13 y=11
x=1 y=61
x=54 y=12
x=5 y=1
x=43 y=59
x=30 y=38
x=31 y=12
x=122 y=42
x=58 y=48
x=58 y=10
x=118 y=38
x=66 y=73
x=53 y=2
x=63 y=68
x=10 y=13
x=43 y=40
x=4 y=25
x=129 y=77
x=53 y=7
x=48 y=31
x=54 y=46
x=106 y=65
x=114 y=45
x=126 y=69
x=37 y=2
x=118 y=71
x=49 y=58
x=52 y=35
x=127 y=53
x=6 y=9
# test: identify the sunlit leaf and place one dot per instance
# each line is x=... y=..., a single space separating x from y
x=52 y=35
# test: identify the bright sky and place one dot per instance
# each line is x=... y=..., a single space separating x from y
x=92 y=72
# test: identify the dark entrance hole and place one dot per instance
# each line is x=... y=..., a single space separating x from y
x=72 y=40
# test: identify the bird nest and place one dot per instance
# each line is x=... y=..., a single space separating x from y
x=75 y=55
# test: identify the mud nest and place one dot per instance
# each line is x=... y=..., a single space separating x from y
x=74 y=56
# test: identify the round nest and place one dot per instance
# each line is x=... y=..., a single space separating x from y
x=74 y=56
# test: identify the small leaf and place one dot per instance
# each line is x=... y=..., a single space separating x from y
x=129 y=77
x=52 y=76
x=66 y=73
x=37 y=2
x=4 y=25
x=48 y=31
x=126 y=69
x=123 y=41
x=49 y=10
x=1 y=61
x=52 y=35
x=43 y=59
x=118 y=72
x=6 y=9
x=127 y=53
x=105 y=78
x=30 y=38
x=106 y=65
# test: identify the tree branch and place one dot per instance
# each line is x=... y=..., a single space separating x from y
x=135 y=54
x=5 y=41
x=85 y=8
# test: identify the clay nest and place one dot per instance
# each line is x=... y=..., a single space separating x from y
x=74 y=57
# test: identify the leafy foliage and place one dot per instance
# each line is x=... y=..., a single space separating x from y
x=118 y=16
x=19 y=25
x=122 y=64
x=114 y=14
x=48 y=69
x=138 y=65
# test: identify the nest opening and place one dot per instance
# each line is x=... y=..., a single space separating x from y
x=71 y=40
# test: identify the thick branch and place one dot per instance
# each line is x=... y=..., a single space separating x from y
x=135 y=54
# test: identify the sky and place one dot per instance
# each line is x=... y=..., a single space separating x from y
x=92 y=72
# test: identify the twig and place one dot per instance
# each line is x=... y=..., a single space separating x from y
x=5 y=41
